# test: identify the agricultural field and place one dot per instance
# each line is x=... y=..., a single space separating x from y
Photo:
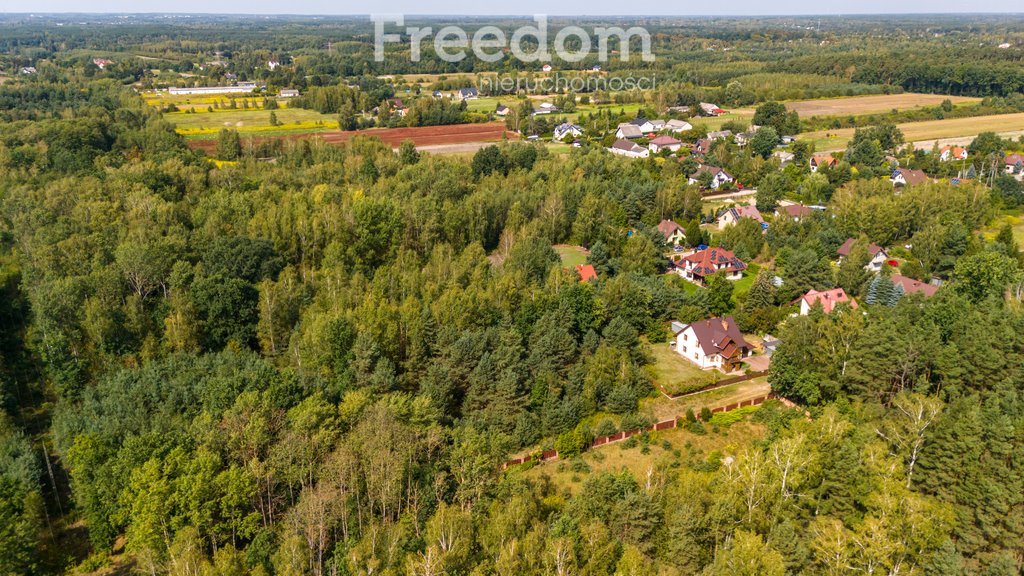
x=426 y=136
x=930 y=130
x=858 y=105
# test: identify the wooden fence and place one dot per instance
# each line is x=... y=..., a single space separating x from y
x=548 y=455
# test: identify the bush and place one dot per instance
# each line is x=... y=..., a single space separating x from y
x=730 y=418
x=605 y=427
x=571 y=443
x=705 y=414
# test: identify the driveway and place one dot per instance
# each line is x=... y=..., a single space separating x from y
x=758 y=363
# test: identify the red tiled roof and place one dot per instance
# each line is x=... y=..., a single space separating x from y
x=586 y=272
x=796 y=210
x=823 y=160
x=665 y=141
x=829 y=299
x=712 y=260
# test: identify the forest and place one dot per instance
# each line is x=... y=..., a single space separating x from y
x=313 y=360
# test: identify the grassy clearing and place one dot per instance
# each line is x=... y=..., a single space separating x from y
x=662 y=408
x=830 y=140
x=571 y=255
x=664 y=450
x=676 y=374
x=1014 y=220
x=251 y=121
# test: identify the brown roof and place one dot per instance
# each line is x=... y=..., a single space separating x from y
x=668 y=228
x=823 y=161
x=911 y=286
x=829 y=299
x=844 y=250
x=911 y=176
x=719 y=336
x=749 y=211
x=625 y=145
x=1014 y=159
x=713 y=170
x=796 y=210
x=711 y=260
x=665 y=141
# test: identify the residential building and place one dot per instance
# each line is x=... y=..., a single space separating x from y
x=907 y=177
x=829 y=300
x=952 y=153
x=567 y=129
x=711 y=109
x=586 y=272
x=818 y=162
x=628 y=131
x=469 y=94
x=501 y=110
x=719 y=177
x=664 y=143
x=289 y=93
x=911 y=286
x=794 y=211
x=678 y=125
x=698 y=266
x=629 y=149
x=733 y=215
x=713 y=343
x=1014 y=162
x=674 y=233
x=877 y=253
x=545 y=108
x=720 y=135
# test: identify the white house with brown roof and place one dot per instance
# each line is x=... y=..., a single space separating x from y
x=664 y=143
x=733 y=215
x=704 y=263
x=911 y=286
x=907 y=177
x=712 y=343
x=719 y=176
x=629 y=149
x=819 y=162
x=674 y=233
x=952 y=153
x=877 y=253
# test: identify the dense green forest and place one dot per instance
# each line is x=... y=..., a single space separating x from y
x=316 y=362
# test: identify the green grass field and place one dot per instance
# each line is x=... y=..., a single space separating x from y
x=676 y=374
x=571 y=255
x=251 y=121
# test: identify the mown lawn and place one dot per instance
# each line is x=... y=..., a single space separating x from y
x=571 y=255
x=677 y=374
x=289 y=119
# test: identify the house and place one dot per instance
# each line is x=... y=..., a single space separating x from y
x=952 y=153
x=911 y=286
x=719 y=177
x=1004 y=45
x=231 y=77
x=102 y=63
x=629 y=149
x=829 y=299
x=501 y=110
x=818 y=162
x=733 y=215
x=722 y=135
x=586 y=272
x=628 y=131
x=713 y=343
x=785 y=158
x=567 y=129
x=711 y=109
x=642 y=124
x=678 y=125
x=289 y=93
x=273 y=64
x=545 y=108
x=437 y=94
x=678 y=109
x=546 y=68
x=654 y=126
x=794 y=211
x=907 y=177
x=1014 y=162
x=665 y=143
x=596 y=69
x=28 y=70
x=702 y=147
x=469 y=94
x=398 y=106
x=674 y=233
x=877 y=253
x=708 y=262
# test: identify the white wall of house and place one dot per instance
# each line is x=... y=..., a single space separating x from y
x=688 y=347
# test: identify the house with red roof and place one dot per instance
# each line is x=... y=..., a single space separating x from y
x=911 y=286
x=712 y=343
x=708 y=262
x=829 y=300
x=952 y=153
x=586 y=272
x=795 y=211
x=907 y=177
x=818 y=162
x=1014 y=164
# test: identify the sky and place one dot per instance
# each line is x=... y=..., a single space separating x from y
x=518 y=7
